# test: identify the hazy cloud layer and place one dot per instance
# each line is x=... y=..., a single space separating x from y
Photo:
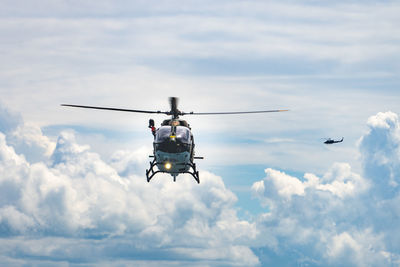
x=331 y=64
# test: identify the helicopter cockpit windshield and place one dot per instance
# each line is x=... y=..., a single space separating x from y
x=174 y=144
x=164 y=133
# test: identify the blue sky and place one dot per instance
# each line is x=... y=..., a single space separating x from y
x=72 y=183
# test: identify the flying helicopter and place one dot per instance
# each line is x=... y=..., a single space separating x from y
x=331 y=141
x=173 y=146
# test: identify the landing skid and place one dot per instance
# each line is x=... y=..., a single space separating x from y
x=150 y=172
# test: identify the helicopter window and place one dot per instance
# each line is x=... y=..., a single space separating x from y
x=164 y=133
x=183 y=134
x=181 y=142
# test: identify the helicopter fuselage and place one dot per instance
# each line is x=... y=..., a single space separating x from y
x=173 y=150
x=331 y=141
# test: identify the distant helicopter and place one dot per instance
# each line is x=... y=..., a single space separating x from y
x=331 y=141
x=173 y=146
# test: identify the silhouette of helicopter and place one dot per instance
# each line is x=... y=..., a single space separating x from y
x=173 y=146
x=331 y=141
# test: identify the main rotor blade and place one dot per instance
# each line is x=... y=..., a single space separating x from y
x=233 y=112
x=115 y=109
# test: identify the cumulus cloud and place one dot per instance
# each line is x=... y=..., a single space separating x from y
x=75 y=207
x=380 y=151
x=26 y=138
x=341 y=218
x=66 y=204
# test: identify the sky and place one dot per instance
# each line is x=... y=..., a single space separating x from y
x=73 y=190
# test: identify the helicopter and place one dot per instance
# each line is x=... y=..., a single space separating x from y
x=331 y=141
x=173 y=146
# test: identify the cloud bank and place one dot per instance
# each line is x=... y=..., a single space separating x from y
x=341 y=218
x=60 y=203
x=71 y=206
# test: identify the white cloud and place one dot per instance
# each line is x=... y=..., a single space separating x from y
x=128 y=162
x=360 y=249
x=342 y=218
x=25 y=138
x=91 y=210
x=285 y=185
x=17 y=221
x=340 y=181
x=380 y=151
x=75 y=196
